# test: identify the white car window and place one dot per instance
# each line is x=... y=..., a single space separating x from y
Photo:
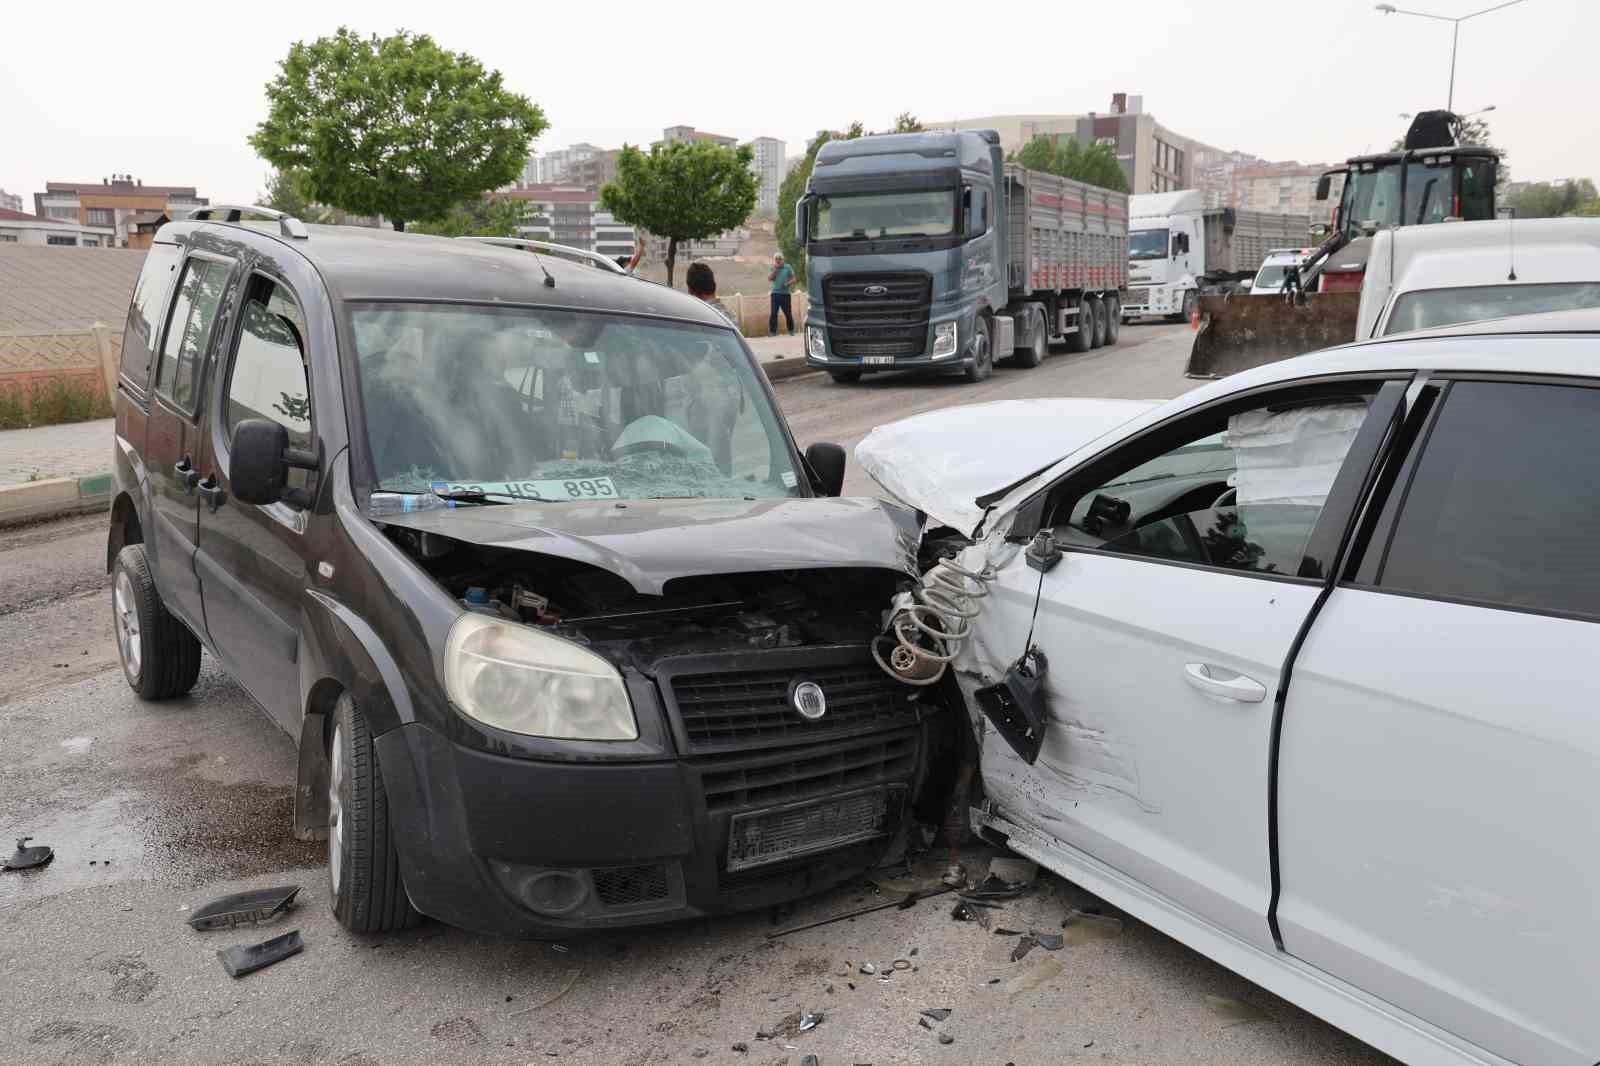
x=1428 y=308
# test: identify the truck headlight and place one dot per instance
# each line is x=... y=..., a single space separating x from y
x=945 y=336
x=524 y=681
x=816 y=344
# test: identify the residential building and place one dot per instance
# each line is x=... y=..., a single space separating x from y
x=571 y=215
x=769 y=169
x=674 y=134
x=1283 y=189
x=106 y=207
x=558 y=163
x=595 y=170
x=10 y=201
x=18 y=227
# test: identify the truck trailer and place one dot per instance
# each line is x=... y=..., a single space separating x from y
x=928 y=251
x=1182 y=250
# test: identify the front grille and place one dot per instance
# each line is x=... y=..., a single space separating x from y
x=801 y=829
x=1139 y=297
x=626 y=886
x=751 y=708
x=808 y=772
x=891 y=319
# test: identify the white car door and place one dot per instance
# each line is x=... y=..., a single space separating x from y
x=1192 y=555
x=1439 y=788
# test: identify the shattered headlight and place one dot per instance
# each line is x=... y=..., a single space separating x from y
x=944 y=339
x=525 y=681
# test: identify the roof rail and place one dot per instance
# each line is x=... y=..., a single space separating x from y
x=551 y=249
x=288 y=225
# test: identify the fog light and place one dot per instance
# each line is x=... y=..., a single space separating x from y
x=816 y=344
x=945 y=336
x=551 y=892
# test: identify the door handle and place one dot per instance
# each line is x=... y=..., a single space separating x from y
x=1238 y=687
x=212 y=493
x=186 y=474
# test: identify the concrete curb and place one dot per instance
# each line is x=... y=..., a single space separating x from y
x=780 y=369
x=54 y=498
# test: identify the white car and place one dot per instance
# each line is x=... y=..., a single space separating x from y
x=1321 y=698
x=1275 y=268
x=1422 y=277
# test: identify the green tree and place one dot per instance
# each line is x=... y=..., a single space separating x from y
x=794 y=187
x=682 y=191
x=1095 y=164
x=1545 y=199
x=906 y=122
x=284 y=194
x=1037 y=154
x=483 y=216
x=393 y=126
x=1588 y=210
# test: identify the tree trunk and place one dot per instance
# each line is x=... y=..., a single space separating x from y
x=399 y=225
x=672 y=257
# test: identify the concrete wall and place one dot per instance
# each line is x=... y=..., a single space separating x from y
x=29 y=359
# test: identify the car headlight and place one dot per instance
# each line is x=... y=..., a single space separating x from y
x=816 y=344
x=945 y=336
x=524 y=681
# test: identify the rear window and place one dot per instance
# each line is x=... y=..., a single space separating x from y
x=1427 y=308
x=1502 y=507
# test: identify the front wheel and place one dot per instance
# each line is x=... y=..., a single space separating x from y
x=845 y=377
x=1031 y=355
x=160 y=657
x=363 y=867
x=982 y=356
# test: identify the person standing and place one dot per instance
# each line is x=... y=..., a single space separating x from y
x=782 y=278
x=703 y=285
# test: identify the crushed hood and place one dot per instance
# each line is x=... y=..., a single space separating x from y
x=942 y=461
x=650 y=542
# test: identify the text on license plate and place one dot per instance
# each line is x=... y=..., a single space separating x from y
x=877 y=360
x=561 y=490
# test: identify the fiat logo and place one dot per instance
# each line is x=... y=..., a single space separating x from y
x=806 y=697
x=876 y=290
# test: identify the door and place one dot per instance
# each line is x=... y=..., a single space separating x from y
x=1441 y=739
x=140 y=341
x=1192 y=556
x=251 y=558
x=172 y=438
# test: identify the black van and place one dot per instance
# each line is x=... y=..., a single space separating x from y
x=522 y=554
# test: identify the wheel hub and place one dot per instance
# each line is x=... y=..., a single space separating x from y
x=125 y=617
x=336 y=809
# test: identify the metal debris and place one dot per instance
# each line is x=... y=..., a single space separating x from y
x=1024 y=945
x=868 y=969
x=242 y=959
x=1050 y=941
x=26 y=858
x=244 y=908
x=902 y=964
x=925 y=1023
x=810 y=1020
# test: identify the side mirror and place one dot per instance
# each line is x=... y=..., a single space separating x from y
x=1324 y=185
x=827 y=463
x=259 y=458
x=802 y=222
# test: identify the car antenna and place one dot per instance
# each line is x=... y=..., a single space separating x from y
x=1511 y=231
x=549 y=280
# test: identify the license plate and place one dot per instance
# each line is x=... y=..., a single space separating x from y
x=762 y=837
x=562 y=490
x=877 y=360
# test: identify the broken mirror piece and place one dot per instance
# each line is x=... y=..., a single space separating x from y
x=244 y=908
x=26 y=858
x=1049 y=941
x=244 y=959
x=810 y=1020
x=1016 y=706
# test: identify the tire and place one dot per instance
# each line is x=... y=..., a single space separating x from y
x=1113 y=319
x=1191 y=300
x=366 y=891
x=982 y=355
x=160 y=657
x=845 y=377
x=1033 y=354
x=1079 y=342
x=1099 y=308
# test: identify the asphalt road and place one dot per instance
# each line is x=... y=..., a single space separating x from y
x=155 y=808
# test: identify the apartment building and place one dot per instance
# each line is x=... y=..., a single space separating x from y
x=571 y=215
x=19 y=227
x=675 y=134
x=770 y=168
x=10 y=201
x=107 y=208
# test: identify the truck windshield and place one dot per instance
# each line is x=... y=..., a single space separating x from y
x=1374 y=196
x=1427 y=308
x=563 y=406
x=864 y=216
x=1147 y=244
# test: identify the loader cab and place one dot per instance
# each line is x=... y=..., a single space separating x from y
x=1415 y=188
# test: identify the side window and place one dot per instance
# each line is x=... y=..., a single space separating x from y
x=1502 y=505
x=267 y=378
x=1477 y=190
x=1242 y=491
x=194 y=312
x=144 y=312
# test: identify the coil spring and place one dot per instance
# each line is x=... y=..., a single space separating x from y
x=929 y=633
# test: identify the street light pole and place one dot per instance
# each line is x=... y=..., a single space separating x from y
x=1455 y=34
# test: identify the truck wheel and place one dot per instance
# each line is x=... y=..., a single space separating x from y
x=160 y=657
x=363 y=868
x=1084 y=320
x=1113 y=319
x=982 y=356
x=1099 y=337
x=845 y=377
x=1031 y=355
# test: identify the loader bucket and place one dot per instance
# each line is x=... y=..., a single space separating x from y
x=1239 y=332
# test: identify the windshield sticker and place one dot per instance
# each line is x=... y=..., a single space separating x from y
x=788 y=479
x=553 y=490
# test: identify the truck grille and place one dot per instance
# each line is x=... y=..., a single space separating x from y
x=1137 y=297
x=823 y=770
x=891 y=319
x=751 y=709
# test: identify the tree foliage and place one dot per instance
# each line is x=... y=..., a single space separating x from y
x=682 y=191
x=393 y=126
x=906 y=122
x=284 y=194
x=1545 y=199
x=483 y=216
x=1095 y=164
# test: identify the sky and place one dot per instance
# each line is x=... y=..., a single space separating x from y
x=172 y=99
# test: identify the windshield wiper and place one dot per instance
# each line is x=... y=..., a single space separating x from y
x=491 y=497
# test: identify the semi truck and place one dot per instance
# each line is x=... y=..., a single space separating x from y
x=928 y=251
x=1180 y=250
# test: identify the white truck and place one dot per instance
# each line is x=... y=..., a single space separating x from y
x=1180 y=249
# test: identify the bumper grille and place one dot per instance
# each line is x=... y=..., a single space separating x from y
x=877 y=314
x=802 y=829
x=1137 y=297
x=626 y=886
x=750 y=709
x=809 y=772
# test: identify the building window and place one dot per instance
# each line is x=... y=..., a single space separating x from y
x=102 y=216
x=8 y=238
x=59 y=239
x=69 y=212
x=89 y=242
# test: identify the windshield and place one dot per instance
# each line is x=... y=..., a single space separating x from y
x=930 y=213
x=560 y=406
x=1147 y=244
x=1271 y=276
x=1426 y=308
x=1374 y=196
